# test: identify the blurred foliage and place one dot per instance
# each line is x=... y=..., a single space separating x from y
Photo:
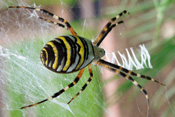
x=41 y=2
x=54 y=2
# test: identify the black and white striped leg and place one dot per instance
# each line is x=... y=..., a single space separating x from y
x=107 y=26
x=50 y=14
x=59 y=92
x=53 y=22
x=85 y=85
x=126 y=76
x=107 y=30
x=130 y=72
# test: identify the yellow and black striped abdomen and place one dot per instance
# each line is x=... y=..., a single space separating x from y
x=67 y=54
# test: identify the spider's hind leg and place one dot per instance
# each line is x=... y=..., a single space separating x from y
x=49 y=14
x=52 y=22
x=59 y=92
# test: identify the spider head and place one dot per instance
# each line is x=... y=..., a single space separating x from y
x=98 y=52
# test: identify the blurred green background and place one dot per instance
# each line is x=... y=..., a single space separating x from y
x=24 y=80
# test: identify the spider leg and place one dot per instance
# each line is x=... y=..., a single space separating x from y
x=129 y=72
x=50 y=14
x=59 y=92
x=126 y=76
x=106 y=31
x=100 y=38
x=53 y=22
x=85 y=85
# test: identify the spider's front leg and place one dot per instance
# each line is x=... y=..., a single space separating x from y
x=130 y=72
x=126 y=76
x=108 y=27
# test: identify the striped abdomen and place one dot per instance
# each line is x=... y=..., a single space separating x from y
x=67 y=54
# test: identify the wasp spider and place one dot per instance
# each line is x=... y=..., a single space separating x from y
x=70 y=53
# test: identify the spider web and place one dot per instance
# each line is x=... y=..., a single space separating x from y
x=24 y=80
